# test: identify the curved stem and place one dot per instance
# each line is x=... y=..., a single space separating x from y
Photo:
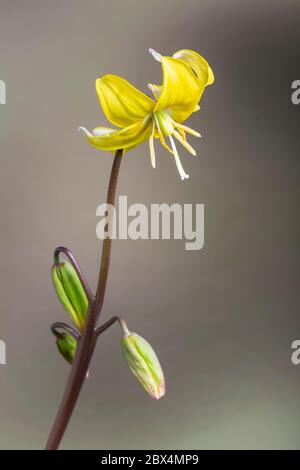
x=110 y=322
x=64 y=327
x=76 y=266
x=106 y=325
x=88 y=339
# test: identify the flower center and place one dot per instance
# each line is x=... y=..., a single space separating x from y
x=164 y=123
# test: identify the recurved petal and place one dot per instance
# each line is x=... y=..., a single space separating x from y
x=198 y=65
x=181 y=90
x=104 y=138
x=156 y=91
x=122 y=103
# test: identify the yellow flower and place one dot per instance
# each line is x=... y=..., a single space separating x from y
x=141 y=118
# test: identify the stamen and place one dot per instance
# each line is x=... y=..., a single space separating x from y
x=151 y=145
x=187 y=129
x=184 y=143
x=155 y=90
x=182 y=133
x=182 y=173
x=155 y=54
x=157 y=123
x=161 y=137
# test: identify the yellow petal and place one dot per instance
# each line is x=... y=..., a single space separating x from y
x=104 y=138
x=181 y=90
x=198 y=64
x=156 y=91
x=122 y=103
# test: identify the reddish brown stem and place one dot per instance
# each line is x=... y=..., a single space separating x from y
x=88 y=339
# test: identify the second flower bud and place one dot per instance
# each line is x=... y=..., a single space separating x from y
x=70 y=292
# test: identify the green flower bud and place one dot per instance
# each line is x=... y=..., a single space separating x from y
x=143 y=363
x=70 y=292
x=67 y=345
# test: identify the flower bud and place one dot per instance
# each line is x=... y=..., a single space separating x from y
x=67 y=345
x=144 y=364
x=70 y=292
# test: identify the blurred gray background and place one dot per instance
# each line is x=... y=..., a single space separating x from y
x=222 y=319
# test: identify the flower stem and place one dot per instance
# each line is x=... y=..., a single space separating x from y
x=110 y=322
x=66 y=328
x=88 y=339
